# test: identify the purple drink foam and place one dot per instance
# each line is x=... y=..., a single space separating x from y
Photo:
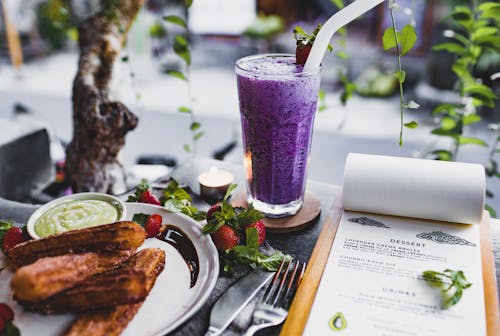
x=277 y=105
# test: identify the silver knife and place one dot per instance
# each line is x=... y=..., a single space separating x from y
x=234 y=300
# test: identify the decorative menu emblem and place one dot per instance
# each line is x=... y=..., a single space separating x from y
x=368 y=221
x=444 y=238
x=337 y=322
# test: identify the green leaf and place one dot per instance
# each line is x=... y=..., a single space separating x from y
x=434 y=278
x=492 y=42
x=321 y=94
x=401 y=76
x=490 y=10
x=443 y=155
x=338 y=3
x=448 y=123
x=471 y=119
x=175 y=20
x=186 y=148
x=140 y=218
x=181 y=48
x=388 y=39
x=342 y=55
x=10 y=330
x=175 y=73
x=445 y=108
x=411 y=124
x=124 y=59
x=451 y=47
x=252 y=237
x=484 y=32
x=462 y=13
x=4 y=227
x=188 y=3
x=229 y=191
x=249 y=216
x=184 y=109
x=198 y=135
x=194 y=126
x=174 y=205
x=474 y=141
x=452 y=284
x=443 y=132
x=408 y=38
x=482 y=90
x=211 y=226
x=492 y=211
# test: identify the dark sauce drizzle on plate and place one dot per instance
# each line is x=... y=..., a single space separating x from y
x=181 y=242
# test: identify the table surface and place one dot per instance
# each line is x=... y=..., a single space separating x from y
x=298 y=244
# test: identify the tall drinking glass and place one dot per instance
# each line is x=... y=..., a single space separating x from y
x=277 y=107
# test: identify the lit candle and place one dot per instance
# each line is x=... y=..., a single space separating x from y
x=214 y=183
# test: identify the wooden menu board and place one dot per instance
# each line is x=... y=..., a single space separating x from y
x=301 y=306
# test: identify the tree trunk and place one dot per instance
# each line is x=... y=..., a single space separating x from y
x=99 y=123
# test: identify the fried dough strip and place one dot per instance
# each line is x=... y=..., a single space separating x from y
x=51 y=275
x=128 y=284
x=109 y=322
x=124 y=235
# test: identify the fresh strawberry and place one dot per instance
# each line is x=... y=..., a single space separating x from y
x=153 y=224
x=214 y=208
x=6 y=313
x=302 y=52
x=149 y=197
x=261 y=230
x=12 y=237
x=225 y=238
x=2 y=325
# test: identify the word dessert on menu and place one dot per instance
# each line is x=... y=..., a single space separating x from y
x=402 y=218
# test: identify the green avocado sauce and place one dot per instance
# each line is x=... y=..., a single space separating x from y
x=73 y=215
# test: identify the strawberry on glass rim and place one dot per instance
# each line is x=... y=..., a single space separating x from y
x=304 y=43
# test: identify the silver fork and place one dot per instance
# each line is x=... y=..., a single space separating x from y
x=273 y=308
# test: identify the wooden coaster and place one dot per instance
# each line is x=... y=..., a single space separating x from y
x=306 y=216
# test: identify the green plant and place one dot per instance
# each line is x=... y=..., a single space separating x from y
x=348 y=87
x=181 y=47
x=403 y=42
x=55 y=23
x=475 y=30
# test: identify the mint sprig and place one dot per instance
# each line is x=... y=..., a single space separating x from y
x=452 y=284
x=177 y=199
x=250 y=255
x=140 y=189
x=10 y=330
x=4 y=227
x=140 y=218
x=236 y=217
x=174 y=199
x=304 y=38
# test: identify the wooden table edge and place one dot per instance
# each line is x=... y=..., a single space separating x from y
x=304 y=298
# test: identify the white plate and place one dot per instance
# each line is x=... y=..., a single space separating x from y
x=171 y=301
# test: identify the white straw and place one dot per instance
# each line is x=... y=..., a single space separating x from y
x=334 y=23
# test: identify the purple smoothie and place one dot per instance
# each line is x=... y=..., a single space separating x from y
x=277 y=105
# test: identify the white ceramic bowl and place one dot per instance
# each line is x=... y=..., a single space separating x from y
x=119 y=206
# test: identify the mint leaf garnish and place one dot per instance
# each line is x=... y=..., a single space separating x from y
x=452 y=284
x=177 y=199
x=140 y=218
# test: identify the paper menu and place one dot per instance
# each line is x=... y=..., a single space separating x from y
x=373 y=279
x=436 y=190
x=372 y=282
